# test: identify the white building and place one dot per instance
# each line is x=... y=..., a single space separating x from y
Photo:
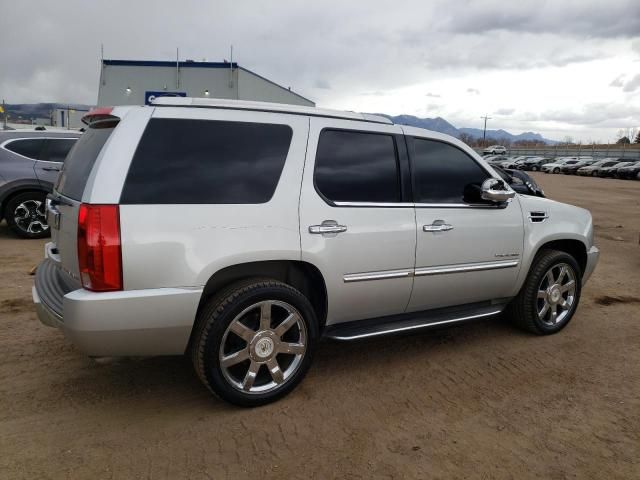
x=134 y=82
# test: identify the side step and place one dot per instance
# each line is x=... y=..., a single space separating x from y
x=361 y=329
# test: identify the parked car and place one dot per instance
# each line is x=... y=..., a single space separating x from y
x=630 y=171
x=496 y=159
x=612 y=170
x=535 y=163
x=557 y=164
x=29 y=164
x=520 y=181
x=241 y=233
x=495 y=150
x=592 y=170
x=572 y=168
x=514 y=163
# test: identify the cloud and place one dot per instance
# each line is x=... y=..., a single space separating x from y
x=632 y=85
x=617 y=82
x=473 y=91
x=504 y=111
x=322 y=84
x=432 y=95
x=612 y=19
x=604 y=114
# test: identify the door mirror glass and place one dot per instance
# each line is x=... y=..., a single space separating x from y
x=495 y=190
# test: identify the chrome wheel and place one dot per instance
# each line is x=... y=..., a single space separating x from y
x=30 y=216
x=263 y=347
x=556 y=294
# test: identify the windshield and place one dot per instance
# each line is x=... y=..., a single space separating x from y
x=82 y=157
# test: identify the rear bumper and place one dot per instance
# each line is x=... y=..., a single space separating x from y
x=128 y=323
x=592 y=260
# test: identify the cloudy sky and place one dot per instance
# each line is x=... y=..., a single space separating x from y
x=561 y=68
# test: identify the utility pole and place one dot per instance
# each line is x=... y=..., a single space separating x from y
x=484 y=131
x=4 y=112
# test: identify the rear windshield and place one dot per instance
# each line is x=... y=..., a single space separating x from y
x=81 y=159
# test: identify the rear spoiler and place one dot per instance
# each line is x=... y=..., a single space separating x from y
x=98 y=114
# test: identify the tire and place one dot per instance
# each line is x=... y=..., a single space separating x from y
x=256 y=350
x=534 y=169
x=594 y=174
x=26 y=215
x=526 y=307
x=556 y=170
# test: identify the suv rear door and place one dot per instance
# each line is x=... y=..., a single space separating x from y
x=356 y=224
x=64 y=202
x=49 y=164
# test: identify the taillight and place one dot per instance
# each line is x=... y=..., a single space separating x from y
x=99 y=252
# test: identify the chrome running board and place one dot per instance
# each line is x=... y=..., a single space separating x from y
x=398 y=324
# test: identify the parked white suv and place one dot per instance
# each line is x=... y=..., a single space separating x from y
x=243 y=232
x=495 y=150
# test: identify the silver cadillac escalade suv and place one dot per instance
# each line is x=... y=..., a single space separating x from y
x=241 y=233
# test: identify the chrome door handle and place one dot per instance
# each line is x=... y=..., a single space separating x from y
x=328 y=226
x=51 y=169
x=437 y=227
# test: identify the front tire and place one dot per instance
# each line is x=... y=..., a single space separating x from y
x=26 y=215
x=556 y=170
x=550 y=295
x=254 y=342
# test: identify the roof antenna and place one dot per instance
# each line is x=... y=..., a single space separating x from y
x=231 y=69
x=177 y=68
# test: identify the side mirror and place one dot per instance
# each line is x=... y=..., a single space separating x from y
x=495 y=190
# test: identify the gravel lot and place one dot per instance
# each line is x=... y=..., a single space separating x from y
x=475 y=401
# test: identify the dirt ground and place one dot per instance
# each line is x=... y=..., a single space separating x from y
x=475 y=401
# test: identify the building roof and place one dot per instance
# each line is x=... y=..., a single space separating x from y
x=266 y=107
x=193 y=64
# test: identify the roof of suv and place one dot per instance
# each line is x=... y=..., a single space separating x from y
x=266 y=107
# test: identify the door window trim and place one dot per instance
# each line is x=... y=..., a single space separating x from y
x=402 y=176
x=4 y=144
x=412 y=157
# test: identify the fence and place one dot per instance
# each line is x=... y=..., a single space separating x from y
x=630 y=152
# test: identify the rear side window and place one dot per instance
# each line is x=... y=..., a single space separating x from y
x=58 y=148
x=207 y=162
x=445 y=174
x=357 y=167
x=28 y=147
x=82 y=157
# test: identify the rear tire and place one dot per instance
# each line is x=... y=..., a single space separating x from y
x=254 y=341
x=550 y=294
x=26 y=215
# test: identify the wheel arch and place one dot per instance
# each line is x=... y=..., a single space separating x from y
x=301 y=275
x=576 y=248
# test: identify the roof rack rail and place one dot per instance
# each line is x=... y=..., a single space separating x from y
x=265 y=107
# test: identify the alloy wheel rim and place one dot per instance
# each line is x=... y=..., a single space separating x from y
x=263 y=347
x=30 y=217
x=556 y=294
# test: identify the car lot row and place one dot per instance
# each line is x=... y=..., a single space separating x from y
x=576 y=165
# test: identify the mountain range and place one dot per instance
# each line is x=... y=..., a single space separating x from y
x=439 y=124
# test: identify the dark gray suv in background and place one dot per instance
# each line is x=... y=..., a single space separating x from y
x=29 y=164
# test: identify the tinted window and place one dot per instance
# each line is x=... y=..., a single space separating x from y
x=203 y=161
x=445 y=174
x=57 y=149
x=31 y=147
x=357 y=167
x=81 y=159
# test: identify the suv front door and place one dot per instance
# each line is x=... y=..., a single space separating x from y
x=357 y=224
x=467 y=250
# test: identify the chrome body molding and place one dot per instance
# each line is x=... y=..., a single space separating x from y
x=439 y=270
x=468 y=267
x=364 y=277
